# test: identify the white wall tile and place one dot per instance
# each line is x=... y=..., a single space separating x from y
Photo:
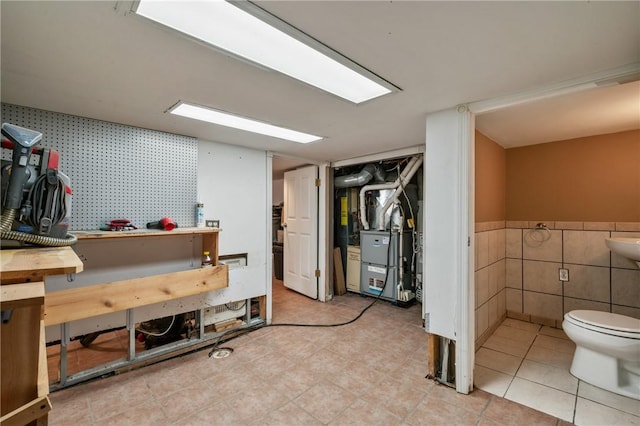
x=514 y=273
x=536 y=248
x=493 y=311
x=571 y=304
x=541 y=277
x=588 y=282
x=543 y=305
x=496 y=245
x=625 y=287
x=502 y=303
x=586 y=248
x=570 y=225
x=497 y=277
x=513 y=243
x=482 y=286
x=482 y=320
x=514 y=300
x=618 y=261
x=599 y=226
x=626 y=310
x=482 y=248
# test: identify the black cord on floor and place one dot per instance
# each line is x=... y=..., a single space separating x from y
x=256 y=327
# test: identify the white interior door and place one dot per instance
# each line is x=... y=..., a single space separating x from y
x=301 y=231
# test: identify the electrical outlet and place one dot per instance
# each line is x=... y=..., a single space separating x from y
x=564 y=274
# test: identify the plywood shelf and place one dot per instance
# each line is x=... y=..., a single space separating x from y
x=79 y=303
x=32 y=264
x=141 y=233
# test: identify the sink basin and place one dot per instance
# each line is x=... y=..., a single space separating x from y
x=628 y=247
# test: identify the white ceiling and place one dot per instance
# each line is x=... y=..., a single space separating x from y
x=89 y=59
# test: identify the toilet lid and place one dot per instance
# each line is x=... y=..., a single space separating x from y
x=607 y=320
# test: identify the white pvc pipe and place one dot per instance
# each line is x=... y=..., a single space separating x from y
x=363 y=207
x=404 y=178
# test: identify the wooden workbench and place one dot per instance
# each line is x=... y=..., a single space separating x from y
x=24 y=382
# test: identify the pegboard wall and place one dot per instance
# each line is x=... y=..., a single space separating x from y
x=117 y=171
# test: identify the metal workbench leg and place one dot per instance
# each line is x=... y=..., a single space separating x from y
x=64 y=342
x=131 y=328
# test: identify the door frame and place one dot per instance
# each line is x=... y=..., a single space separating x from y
x=323 y=231
x=465 y=328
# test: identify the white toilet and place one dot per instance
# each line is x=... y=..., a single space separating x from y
x=607 y=350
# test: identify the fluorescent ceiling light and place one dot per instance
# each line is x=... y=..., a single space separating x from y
x=225 y=119
x=236 y=28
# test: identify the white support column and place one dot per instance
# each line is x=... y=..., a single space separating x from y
x=323 y=233
x=269 y=249
x=448 y=239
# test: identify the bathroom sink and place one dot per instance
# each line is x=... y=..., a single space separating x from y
x=628 y=247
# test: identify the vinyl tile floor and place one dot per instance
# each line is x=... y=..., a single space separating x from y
x=529 y=364
x=370 y=372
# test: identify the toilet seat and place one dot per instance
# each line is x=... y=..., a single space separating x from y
x=606 y=322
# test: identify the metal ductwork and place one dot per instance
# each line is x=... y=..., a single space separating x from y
x=370 y=171
x=402 y=181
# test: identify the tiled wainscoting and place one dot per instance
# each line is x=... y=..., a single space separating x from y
x=490 y=278
x=598 y=279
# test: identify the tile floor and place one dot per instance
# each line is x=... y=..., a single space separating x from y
x=370 y=372
x=529 y=364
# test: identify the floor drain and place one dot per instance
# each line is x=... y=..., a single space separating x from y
x=221 y=353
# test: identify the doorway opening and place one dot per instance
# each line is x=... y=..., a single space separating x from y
x=377 y=229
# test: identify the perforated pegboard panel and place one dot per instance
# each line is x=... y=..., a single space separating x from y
x=117 y=171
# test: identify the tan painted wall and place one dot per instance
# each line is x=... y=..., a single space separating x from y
x=490 y=180
x=595 y=178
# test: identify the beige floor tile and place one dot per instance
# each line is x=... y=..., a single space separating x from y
x=428 y=413
x=325 y=401
x=555 y=344
x=517 y=334
x=507 y=345
x=364 y=413
x=289 y=414
x=553 y=332
x=610 y=399
x=491 y=381
x=557 y=378
x=475 y=402
x=396 y=396
x=147 y=413
x=522 y=325
x=504 y=412
x=591 y=413
x=551 y=357
x=498 y=361
x=542 y=398
x=369 y=372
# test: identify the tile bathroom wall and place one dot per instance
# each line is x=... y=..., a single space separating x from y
x=490 y=278
x=598 y=279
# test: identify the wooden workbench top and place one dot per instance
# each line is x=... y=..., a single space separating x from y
x=32 y=264
x=92 y=235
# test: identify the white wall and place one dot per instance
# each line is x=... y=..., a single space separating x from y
x=448 y=238
x=233 y=186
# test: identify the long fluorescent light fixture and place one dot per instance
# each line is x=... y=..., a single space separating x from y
x=230 y=120
x=250 y=32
